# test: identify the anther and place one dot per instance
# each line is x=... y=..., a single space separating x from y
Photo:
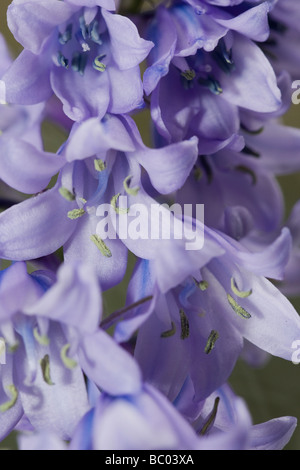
x=130 y=191
x=212 y=84
x=10 y=403
x=239 y=293
x=102 y=247
x=76 y=213
x=68 y=195
x=237 y=308
x=45 y=366
x=118 y=210
x=188 y=74
x=248 y=171
x=203 y=285
x=62 y=60
x=185 y=326
x=94 y=34
x=213 y=336
x=66 y=36
x=41 y=339
x=211 y=418
x=99 y=164
x=98 y=65
x=168 y=333
x=79 y=61
x=68 y=362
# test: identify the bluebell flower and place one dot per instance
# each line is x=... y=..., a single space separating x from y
x=50 y=337
x=73 y=49
x=148 y=421
x=103 y=159
x=209 y=316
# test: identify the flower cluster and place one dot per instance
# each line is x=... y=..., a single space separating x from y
x=191 y=224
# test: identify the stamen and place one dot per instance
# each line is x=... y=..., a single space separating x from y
x=10 y=403
x=131 y=191
x=99 y=165
x=249 y=151
x=83 y=27
x=168 y=333
x=98 y=65
x=79 y=61
x=203 y=285
x=41 y=339
x=212 y=84
x=207 y=168
x=68 y=362
x=66 y=36
x=188 y=74
x=223 y=57
x=66 y=194
x=94 y=33
x=45 y=366
x=185 y=326
x=211 y=418
x=239 y=293
x=237 y=308
x=213 y=336
x=62 y=60
x=76 y=213
x=101 y=245
x=114 y=204
x=247 y=170
x=197 y=173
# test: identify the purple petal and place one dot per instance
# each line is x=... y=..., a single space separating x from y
x=76 y=291
x=252 y=23
x=161 y=55
x=251 y=67
x=16 y=279
x=27 y=80
x=128 y=49
x=25 y=167
x=82 y=96
x=35 y=227
x=168 y=167
x=32 y=23
x=95 y=136
x=58 y=407
x=108 y=365
x=110 y=269
x=273 y=434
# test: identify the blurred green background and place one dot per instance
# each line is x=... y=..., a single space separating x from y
x=271 y=391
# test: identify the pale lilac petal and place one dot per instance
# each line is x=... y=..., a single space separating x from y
x=273 y=434
x=128 y=49
x=35 y=227
x=80 y=246
x=252 y=23
x=130 y=95
x=32 y=22
x=168 y=167
x=21 y=85
x=76 y=290
x=43 y=440
x=251 y=66
x=57 y=406
x=16 y=279
x=95 y=136
x=108 y=365
x=26 y=168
